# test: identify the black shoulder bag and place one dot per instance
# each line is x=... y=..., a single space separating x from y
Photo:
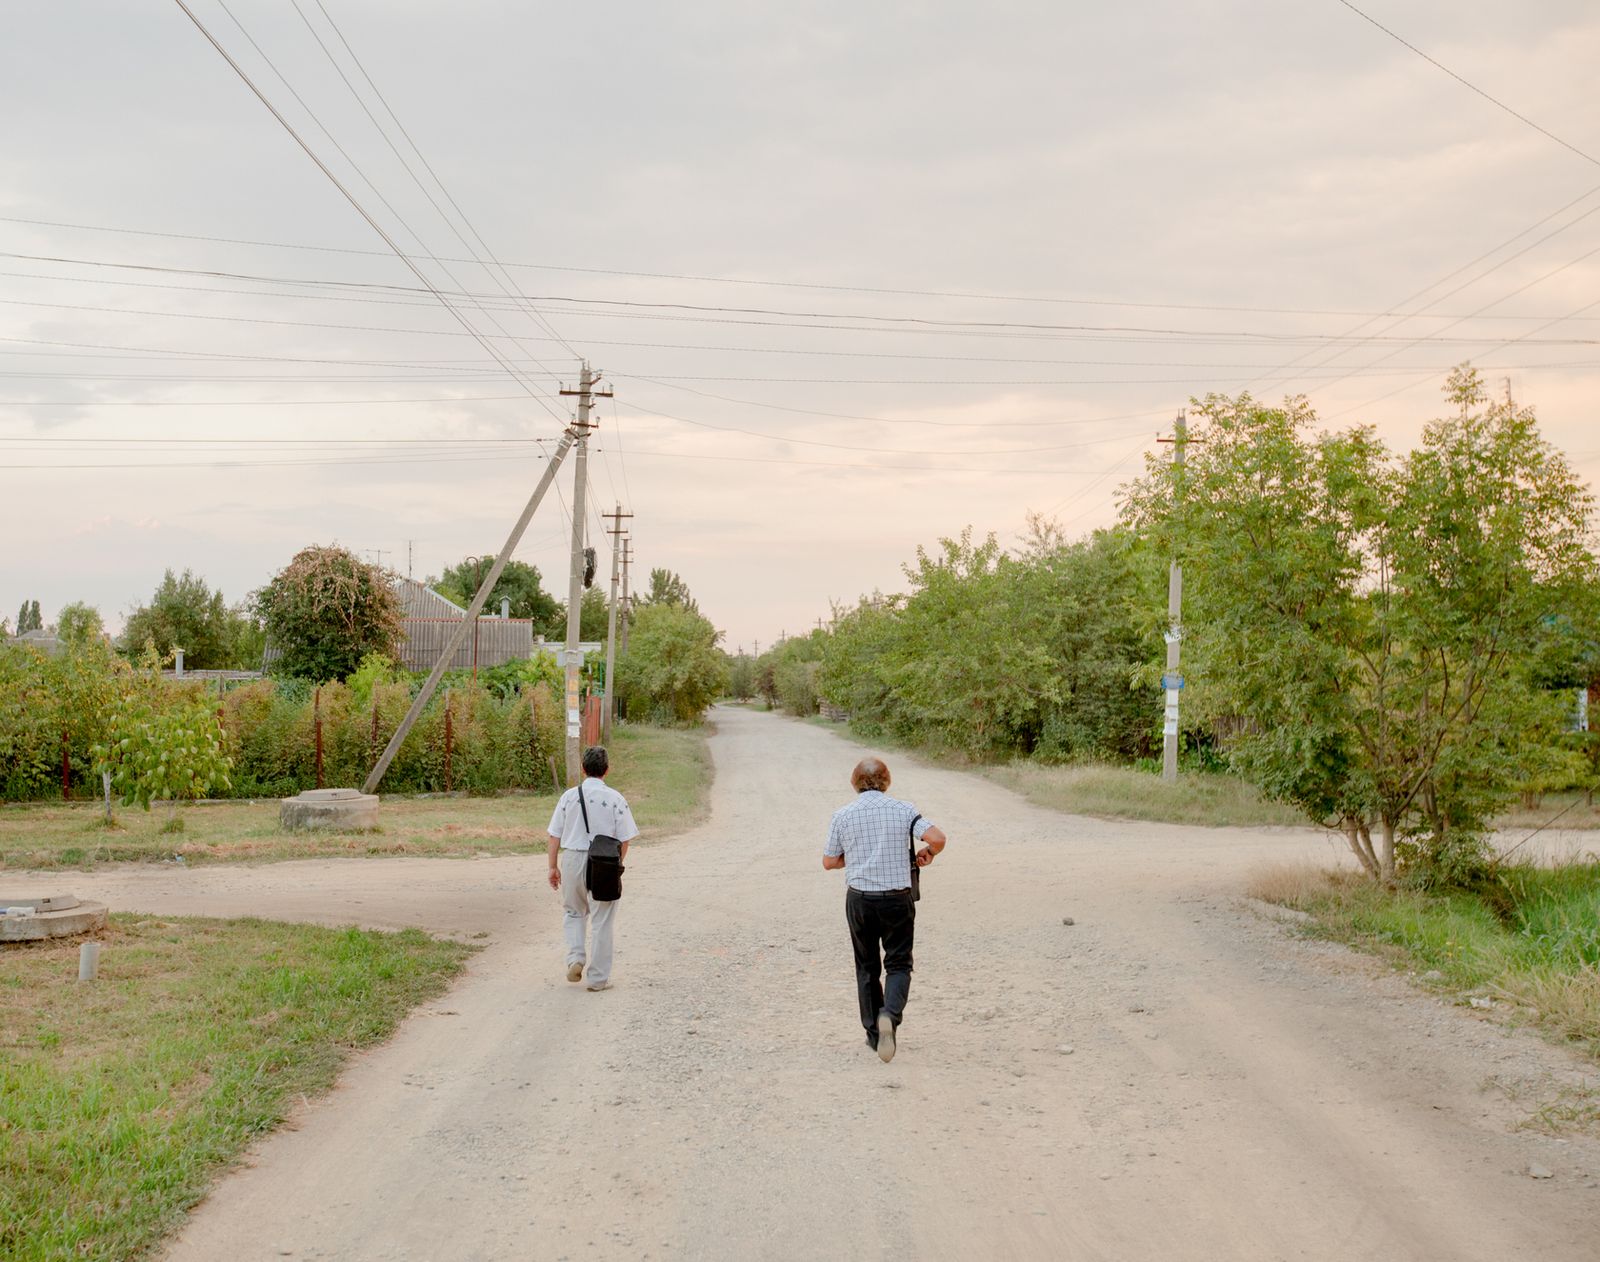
x=603 y=872
x=916 y=872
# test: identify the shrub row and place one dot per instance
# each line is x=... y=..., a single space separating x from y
x=502 y=733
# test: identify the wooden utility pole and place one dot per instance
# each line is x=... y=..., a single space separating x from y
x=627 y=600
x=448 y=653
x=1172 y=681
x=610 y=705
x=572 y=657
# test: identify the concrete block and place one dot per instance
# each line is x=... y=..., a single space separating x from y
x=333 y=810
x=59 y=916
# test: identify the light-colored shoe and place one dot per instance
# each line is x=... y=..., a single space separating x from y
x=885 y=1037
x=599 y=985
x=575 y=971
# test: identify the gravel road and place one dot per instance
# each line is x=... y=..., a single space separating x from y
x=1173 y=1075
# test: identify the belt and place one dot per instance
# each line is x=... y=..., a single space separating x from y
x=881 y=893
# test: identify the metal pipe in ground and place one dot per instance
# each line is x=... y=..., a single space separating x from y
x=88 y=961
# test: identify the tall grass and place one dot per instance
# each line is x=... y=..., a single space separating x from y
x=1127 y=793
x=1530 y=935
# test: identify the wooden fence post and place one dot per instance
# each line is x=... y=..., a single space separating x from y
x=448 y=736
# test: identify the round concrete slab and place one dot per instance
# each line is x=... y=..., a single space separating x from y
x=335 y=810
x=61 y=916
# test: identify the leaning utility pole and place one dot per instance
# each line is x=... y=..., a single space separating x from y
x=610 y=703
x=1172 y=681
x=470 y=618
x=572 y=658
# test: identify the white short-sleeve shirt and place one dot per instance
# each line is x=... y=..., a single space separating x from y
x=874 y=834
x=609 y=814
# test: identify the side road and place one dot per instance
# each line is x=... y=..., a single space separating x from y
x=1169 y=1075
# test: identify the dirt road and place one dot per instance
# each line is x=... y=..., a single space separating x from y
x=1172 y=1076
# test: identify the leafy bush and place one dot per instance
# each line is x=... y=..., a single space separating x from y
x=672 y=670
x=326 y=611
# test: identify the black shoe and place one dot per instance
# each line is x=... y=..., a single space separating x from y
x=872 y=1039
x=884 y=1043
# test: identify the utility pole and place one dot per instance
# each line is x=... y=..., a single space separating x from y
x=610 y=704
x=573 y=656
x=448 y=653
x=627 y=600
x=409 y=543
x=1172 y=681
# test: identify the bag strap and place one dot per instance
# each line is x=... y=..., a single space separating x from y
x=584 y=807
x=911 y=835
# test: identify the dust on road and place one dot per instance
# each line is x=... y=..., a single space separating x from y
x=1171 y=1076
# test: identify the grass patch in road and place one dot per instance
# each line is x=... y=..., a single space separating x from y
x=1126 y=793
x=121 y=1099
x=1529 y=939
x=664 y=772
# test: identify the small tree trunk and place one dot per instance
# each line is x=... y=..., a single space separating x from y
x=1386 y=855
x=1361 y=846
x=66 y=768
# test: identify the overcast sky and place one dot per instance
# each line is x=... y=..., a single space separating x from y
x=1101 y=210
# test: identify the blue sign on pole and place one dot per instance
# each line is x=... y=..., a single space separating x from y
x=1172 y=682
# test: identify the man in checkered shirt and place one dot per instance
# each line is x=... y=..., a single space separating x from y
x=871 y=839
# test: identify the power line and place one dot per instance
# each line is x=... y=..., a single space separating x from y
x=1493 y=100
x=516 y=297
x=338 y=184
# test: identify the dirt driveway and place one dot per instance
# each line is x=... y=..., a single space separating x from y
x=1171 y=1076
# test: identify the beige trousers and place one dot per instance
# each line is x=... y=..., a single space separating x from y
x=584 y=917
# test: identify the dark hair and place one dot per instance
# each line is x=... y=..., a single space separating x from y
x=595 y=762
x=870 y=773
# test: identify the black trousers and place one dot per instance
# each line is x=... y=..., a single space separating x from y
x=883 y=923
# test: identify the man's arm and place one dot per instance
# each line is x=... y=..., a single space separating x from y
x=832 y=861
x=553 y=848
x=933 y=840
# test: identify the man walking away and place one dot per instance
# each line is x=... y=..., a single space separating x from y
x=608 y=815
x=872 y=840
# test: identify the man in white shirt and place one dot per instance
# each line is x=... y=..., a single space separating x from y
x=608 y=815
x=872 y=839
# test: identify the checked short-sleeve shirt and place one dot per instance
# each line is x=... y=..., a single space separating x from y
x=874 y=833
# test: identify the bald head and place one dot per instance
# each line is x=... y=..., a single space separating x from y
x=870 y=773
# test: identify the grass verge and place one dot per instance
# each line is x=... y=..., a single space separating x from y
x=664 y=772
x=1527 y=942
x=1125 y=793
x=121 y=1099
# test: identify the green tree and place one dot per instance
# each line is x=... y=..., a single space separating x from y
x=184 y=613
x=519 y=582
x=172 y=752
x=78 y=622
x=28 y=618
x=1366 y=620
x=326 y=610
x=668 y=588
x=673 y=669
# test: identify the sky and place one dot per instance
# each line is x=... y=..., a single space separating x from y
x=859 y=276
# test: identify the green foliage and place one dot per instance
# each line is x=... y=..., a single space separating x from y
x=672 y=670
x=28 y=618
x=184 y=613
x=993 y=654
x=668 y=588
x=516 y=676
x=1363 y=620
x=519 y=582
x=326 y=610
x=78 y=622
x=171 y=752
x=52 y=704
x=741 y=676
x=375 y=669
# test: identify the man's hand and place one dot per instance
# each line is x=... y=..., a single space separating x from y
x=924 y=856
x=555 y=877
